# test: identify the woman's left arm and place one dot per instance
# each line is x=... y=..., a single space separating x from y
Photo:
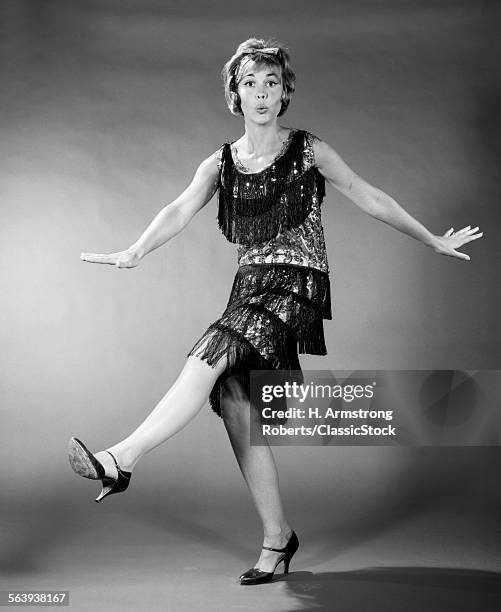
x=381 y=206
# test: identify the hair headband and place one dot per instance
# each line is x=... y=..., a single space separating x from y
x=272 y=50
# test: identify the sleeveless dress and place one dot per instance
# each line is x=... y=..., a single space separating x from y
x=281 y=291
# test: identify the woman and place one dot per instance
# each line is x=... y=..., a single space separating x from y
x=271 y=184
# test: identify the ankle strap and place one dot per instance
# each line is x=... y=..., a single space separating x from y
x=285 y=548
x=119 y=469
x=275 y=549
x=116 y=464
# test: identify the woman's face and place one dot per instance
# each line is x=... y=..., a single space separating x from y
x=260 y=90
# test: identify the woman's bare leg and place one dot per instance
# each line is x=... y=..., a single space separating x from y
x=175 y=410
x=259 y=471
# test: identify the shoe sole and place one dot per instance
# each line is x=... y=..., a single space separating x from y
x=80 y=461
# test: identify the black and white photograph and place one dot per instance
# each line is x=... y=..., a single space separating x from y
x=250 y=305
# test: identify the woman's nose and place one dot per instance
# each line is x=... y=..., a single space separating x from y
x=260 y=95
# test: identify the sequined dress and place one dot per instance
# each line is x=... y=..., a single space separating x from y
x=281 y=291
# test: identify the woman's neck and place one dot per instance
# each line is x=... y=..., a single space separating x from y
x=262 y=140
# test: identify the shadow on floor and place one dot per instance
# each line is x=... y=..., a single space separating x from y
x=392 y=589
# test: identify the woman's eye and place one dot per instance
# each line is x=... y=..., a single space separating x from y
x=252 y=83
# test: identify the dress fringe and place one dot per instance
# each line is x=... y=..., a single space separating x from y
x=255 y=207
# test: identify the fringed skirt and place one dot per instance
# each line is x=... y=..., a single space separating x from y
x=274 y=312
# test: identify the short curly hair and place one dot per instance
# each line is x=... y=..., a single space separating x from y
x=251 y=48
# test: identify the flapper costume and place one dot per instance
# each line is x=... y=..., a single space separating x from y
x=281 y=291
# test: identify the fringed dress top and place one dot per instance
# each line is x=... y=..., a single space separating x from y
x=281 y=292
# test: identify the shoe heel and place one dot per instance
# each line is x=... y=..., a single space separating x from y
x=106 y=490
x=286 y=565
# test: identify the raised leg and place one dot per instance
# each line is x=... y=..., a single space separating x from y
x=177 y=407
x=259 y=470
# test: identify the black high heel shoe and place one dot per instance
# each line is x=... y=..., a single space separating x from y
x=85 y=464
x=256 y=576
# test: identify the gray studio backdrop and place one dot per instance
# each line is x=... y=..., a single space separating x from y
x=107 y=109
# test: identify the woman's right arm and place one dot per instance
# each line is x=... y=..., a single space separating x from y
x=170 y=220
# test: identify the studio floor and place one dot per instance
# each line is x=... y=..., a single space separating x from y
x=168 y=561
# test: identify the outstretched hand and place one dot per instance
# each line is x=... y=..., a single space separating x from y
x=123 y=259
x=451 y=240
